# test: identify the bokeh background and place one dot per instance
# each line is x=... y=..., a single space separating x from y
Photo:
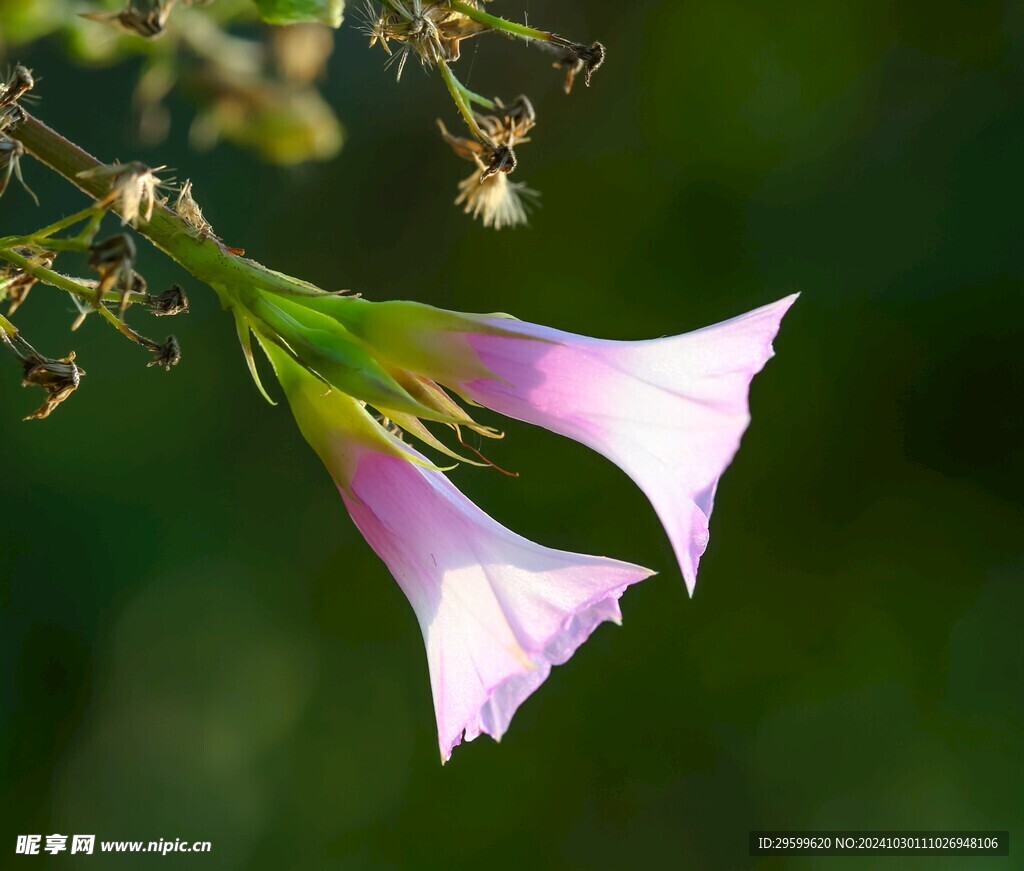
x=196 y=643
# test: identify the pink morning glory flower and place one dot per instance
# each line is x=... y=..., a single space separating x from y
x=496 y=610
x=670 y=412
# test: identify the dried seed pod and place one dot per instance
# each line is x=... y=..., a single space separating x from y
x=497 y=201
x=575 y=58
x=133 y=189
x=15 y=282
x=488 y=194
x=166 y=354
x=59 y=378
x=431 y=31
x=188 y=209
x=171 y=302
x=114 y=260
x=20 y=83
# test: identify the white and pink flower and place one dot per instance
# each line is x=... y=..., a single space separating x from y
x=496 y=610
x=670 y=412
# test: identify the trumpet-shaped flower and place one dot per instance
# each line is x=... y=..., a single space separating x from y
x=496 y=610
x=670 y=412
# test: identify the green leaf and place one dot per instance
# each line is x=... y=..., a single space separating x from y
x=299 y=11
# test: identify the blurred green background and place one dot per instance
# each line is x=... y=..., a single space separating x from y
x=196 y=643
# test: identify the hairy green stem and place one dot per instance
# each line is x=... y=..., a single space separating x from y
x=457 y=90
x=44 y=244
x=64 y=223
x=474 y=97
x=208 y=259
x=124 y=329
x=62 y=282
x=501 y=24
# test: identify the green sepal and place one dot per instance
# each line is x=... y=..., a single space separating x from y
x=245 y=339
x=426 y=340
x=417 y=429
x=335 y=424
x=328 y=350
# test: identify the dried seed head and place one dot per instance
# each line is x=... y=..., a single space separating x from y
x=506 y=128
x=171 y=302
x=133 y=189
x=188 y=209
x=495 y=200
x=503 y=159
x=20 y=83
x=374 y=24
x=114 y=260
x=430 y=30
x=577 y=58
x=488 y=194
x=113 y=252
x=59 y=378
x=167 y=354
x=15 y=283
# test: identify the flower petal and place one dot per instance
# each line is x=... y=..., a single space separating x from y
x=496 y=610
x=670 y=412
